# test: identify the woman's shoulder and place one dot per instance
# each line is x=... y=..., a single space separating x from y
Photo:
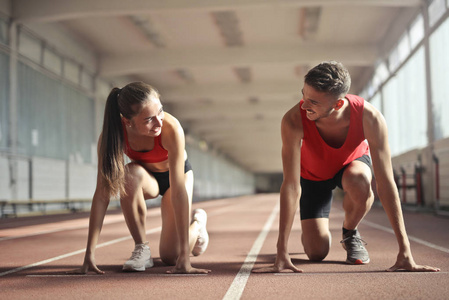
x=172 y=131
x=171 y=124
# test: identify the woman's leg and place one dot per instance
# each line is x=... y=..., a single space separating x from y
x=140 y=185
x=169 y=245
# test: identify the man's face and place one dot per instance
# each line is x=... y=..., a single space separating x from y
x=317 y=104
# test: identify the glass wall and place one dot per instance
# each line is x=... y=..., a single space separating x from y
x=4 y=107
x=439 y=59
x=217 y=177
x=405 y=107
x=54 y=120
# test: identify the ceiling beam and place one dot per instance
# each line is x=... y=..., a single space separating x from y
x=234 y=93
x=239 y=111
x=170 y=59
x=24 y=11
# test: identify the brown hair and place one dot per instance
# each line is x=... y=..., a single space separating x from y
x=330 y=77
x=126 y=102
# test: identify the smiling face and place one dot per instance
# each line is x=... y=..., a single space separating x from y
x=150 y=119
x=317 y=104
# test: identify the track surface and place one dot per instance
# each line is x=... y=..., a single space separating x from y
x=37 y=251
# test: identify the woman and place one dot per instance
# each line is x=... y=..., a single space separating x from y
x=135 y=124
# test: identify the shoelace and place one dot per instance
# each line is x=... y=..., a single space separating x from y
x=359 y=240
x=137 y=253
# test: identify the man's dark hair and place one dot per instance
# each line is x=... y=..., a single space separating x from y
x=330 y=77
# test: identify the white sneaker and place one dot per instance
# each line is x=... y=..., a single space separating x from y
x=200 y=216
x=140 y=259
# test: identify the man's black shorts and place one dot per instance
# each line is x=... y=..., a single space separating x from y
x=316 y=196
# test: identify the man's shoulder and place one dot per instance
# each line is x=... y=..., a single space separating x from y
x=292 y=123
x=292 y=117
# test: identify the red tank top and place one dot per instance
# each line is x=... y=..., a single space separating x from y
x=157 y=154
x=319 y=161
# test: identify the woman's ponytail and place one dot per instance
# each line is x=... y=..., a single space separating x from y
x=111 y=159
x=126 y=102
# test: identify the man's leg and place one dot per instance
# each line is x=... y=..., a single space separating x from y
x=316 y=238
x=315 y=206
x=356 y=183
x=359 y=197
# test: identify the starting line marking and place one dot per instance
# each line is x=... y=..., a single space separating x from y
x=150 y=231
x=357 y=273
x=42 y=262
x=99 y=276
x=235 y=291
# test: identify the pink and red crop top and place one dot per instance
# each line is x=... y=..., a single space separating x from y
x=157 y=154
x=319 y=161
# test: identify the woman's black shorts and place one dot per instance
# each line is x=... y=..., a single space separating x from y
x=163 y=178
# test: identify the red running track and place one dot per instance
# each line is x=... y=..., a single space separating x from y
x=37 y=251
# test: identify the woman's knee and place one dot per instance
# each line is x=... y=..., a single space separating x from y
x=137 y=179
x=168 y=256
x=134 y=173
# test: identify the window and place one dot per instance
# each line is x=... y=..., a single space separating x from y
x=30 y=46
x=403 y=48
x=376 y=101
x=405 y=107
x=71 y=71
x=393 y=60
x=436 y=10
x=439 y=68
x=52 y=61
x=416 y=31
x=3 y=31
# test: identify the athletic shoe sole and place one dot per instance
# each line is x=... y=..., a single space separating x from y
x=148 y=264
x=357 y=262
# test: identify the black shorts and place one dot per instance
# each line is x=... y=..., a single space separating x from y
x=163 y=178
x=316 y=196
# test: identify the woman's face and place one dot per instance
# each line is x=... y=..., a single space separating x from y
x=149 y=121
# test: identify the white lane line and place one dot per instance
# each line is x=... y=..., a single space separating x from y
x=412 y=238
x=66 y=225
x=83 y=250
x=86 y=225
x=235 y=291
x=369 y=273
x=81 y=275
x=109 y=219
x=61 y=275
x=73 y=253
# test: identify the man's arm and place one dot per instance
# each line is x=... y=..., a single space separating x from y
x=376 y=133
x=291 y=129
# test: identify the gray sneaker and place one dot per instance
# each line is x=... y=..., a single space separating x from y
x=355 y=248
x=140 y=259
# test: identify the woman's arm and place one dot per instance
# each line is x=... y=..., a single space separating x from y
x=174 y=142
x=98 y=209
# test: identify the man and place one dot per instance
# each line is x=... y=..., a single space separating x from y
x=323 y=146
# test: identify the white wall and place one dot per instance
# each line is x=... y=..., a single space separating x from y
x=58 y=37
x=5 y=7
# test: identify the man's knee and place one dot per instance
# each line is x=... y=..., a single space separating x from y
x=315 y=256
x=316 y=247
